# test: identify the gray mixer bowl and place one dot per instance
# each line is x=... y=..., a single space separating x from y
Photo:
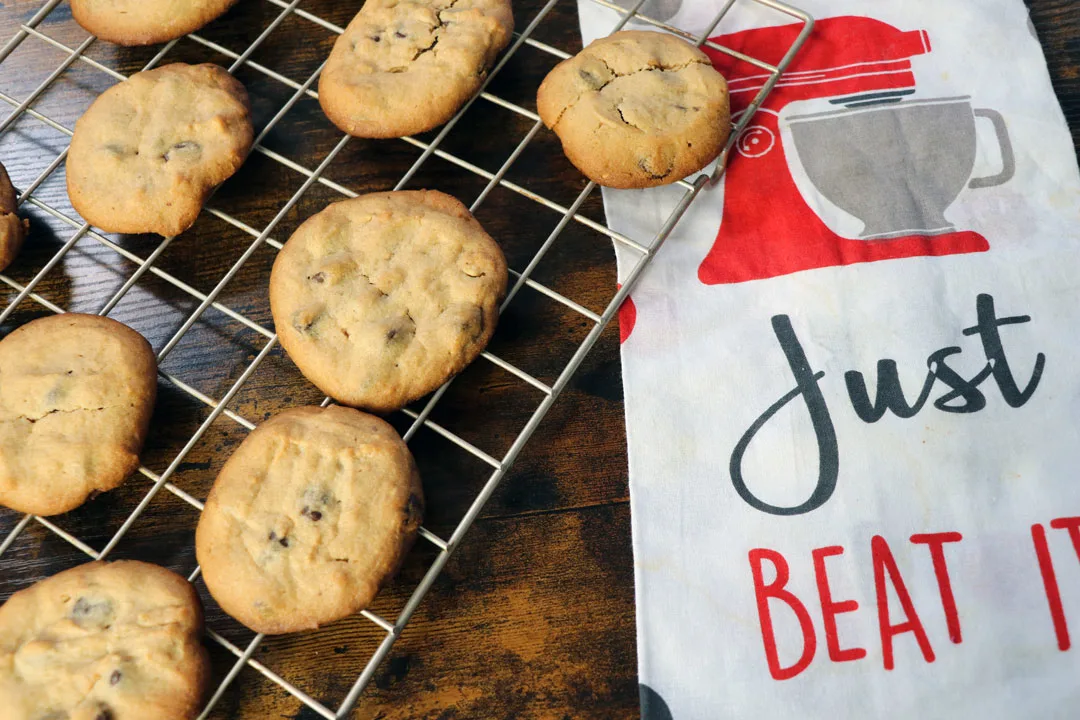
x=895 y=167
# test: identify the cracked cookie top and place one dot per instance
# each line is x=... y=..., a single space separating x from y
x=309 y=517
x=406 y=66
x=145 y=22
x=637 y=109
x=148 y=151
x=12 y=227
x=76 y=394
x=381 y=299
x=103 y=641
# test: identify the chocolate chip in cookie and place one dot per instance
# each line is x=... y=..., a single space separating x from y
x=92 y=612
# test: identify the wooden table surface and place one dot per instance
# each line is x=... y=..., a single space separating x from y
x=534 y=615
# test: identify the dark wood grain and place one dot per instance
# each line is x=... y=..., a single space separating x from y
x=534 y=616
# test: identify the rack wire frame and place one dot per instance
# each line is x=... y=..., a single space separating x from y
x=500 y=466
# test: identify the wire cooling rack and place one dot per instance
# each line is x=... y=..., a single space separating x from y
x=146 y=269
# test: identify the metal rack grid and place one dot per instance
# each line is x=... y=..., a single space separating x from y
x=499 y=466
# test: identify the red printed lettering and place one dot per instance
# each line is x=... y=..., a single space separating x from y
x=1072 y=524
x=776 y=590
x=936 y=543
x=1050 y=584
x=885 y=564
x=830 y=609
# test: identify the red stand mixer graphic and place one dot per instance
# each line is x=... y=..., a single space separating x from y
x=892 y=161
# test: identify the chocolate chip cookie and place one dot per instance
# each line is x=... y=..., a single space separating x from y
x=103 y=641
x=148 y=152
x=309 y=517
x=76 y=394
x=12 y=227
x=381 y=299
x=406 y=66
x=145 y=22
x=637 y=109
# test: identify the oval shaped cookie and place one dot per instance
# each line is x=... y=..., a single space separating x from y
x=637 y=109
x=12 y=227
x=405 y=66
x=381 y=299
x=76 y=395
x=145 y=22
x=148 y=151
x=308 y=518
x=119 y=641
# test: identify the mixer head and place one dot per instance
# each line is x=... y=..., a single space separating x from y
x=853 y=60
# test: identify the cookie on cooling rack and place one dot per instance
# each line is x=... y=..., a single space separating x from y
x=637 y=109
x=103 y=641
x=381 y=299
x=145 y=22
x=406 y=66
x=148 y=152
x=76 y=395
x=12 y=227
x=309 y=517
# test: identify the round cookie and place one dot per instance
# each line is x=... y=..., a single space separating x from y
x=309 y=517
x=148 y=152
x=76 y=395
x=145 y=22
x=12 y=227
x=637 y=109
x=113 y=641
x=406 y=66
x=381 y=299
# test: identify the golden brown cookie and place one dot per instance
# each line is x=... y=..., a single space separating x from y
x=12 y=228
x=309 y=517
x=381 y=299
x=112 y=641
x=76 y=395
x=145 y=22
x=406 y=66
x=148 y=152
x=637 y=109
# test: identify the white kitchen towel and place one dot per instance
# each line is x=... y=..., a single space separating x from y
x=852 y=380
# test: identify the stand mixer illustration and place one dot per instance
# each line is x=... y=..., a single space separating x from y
x=890 y=160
